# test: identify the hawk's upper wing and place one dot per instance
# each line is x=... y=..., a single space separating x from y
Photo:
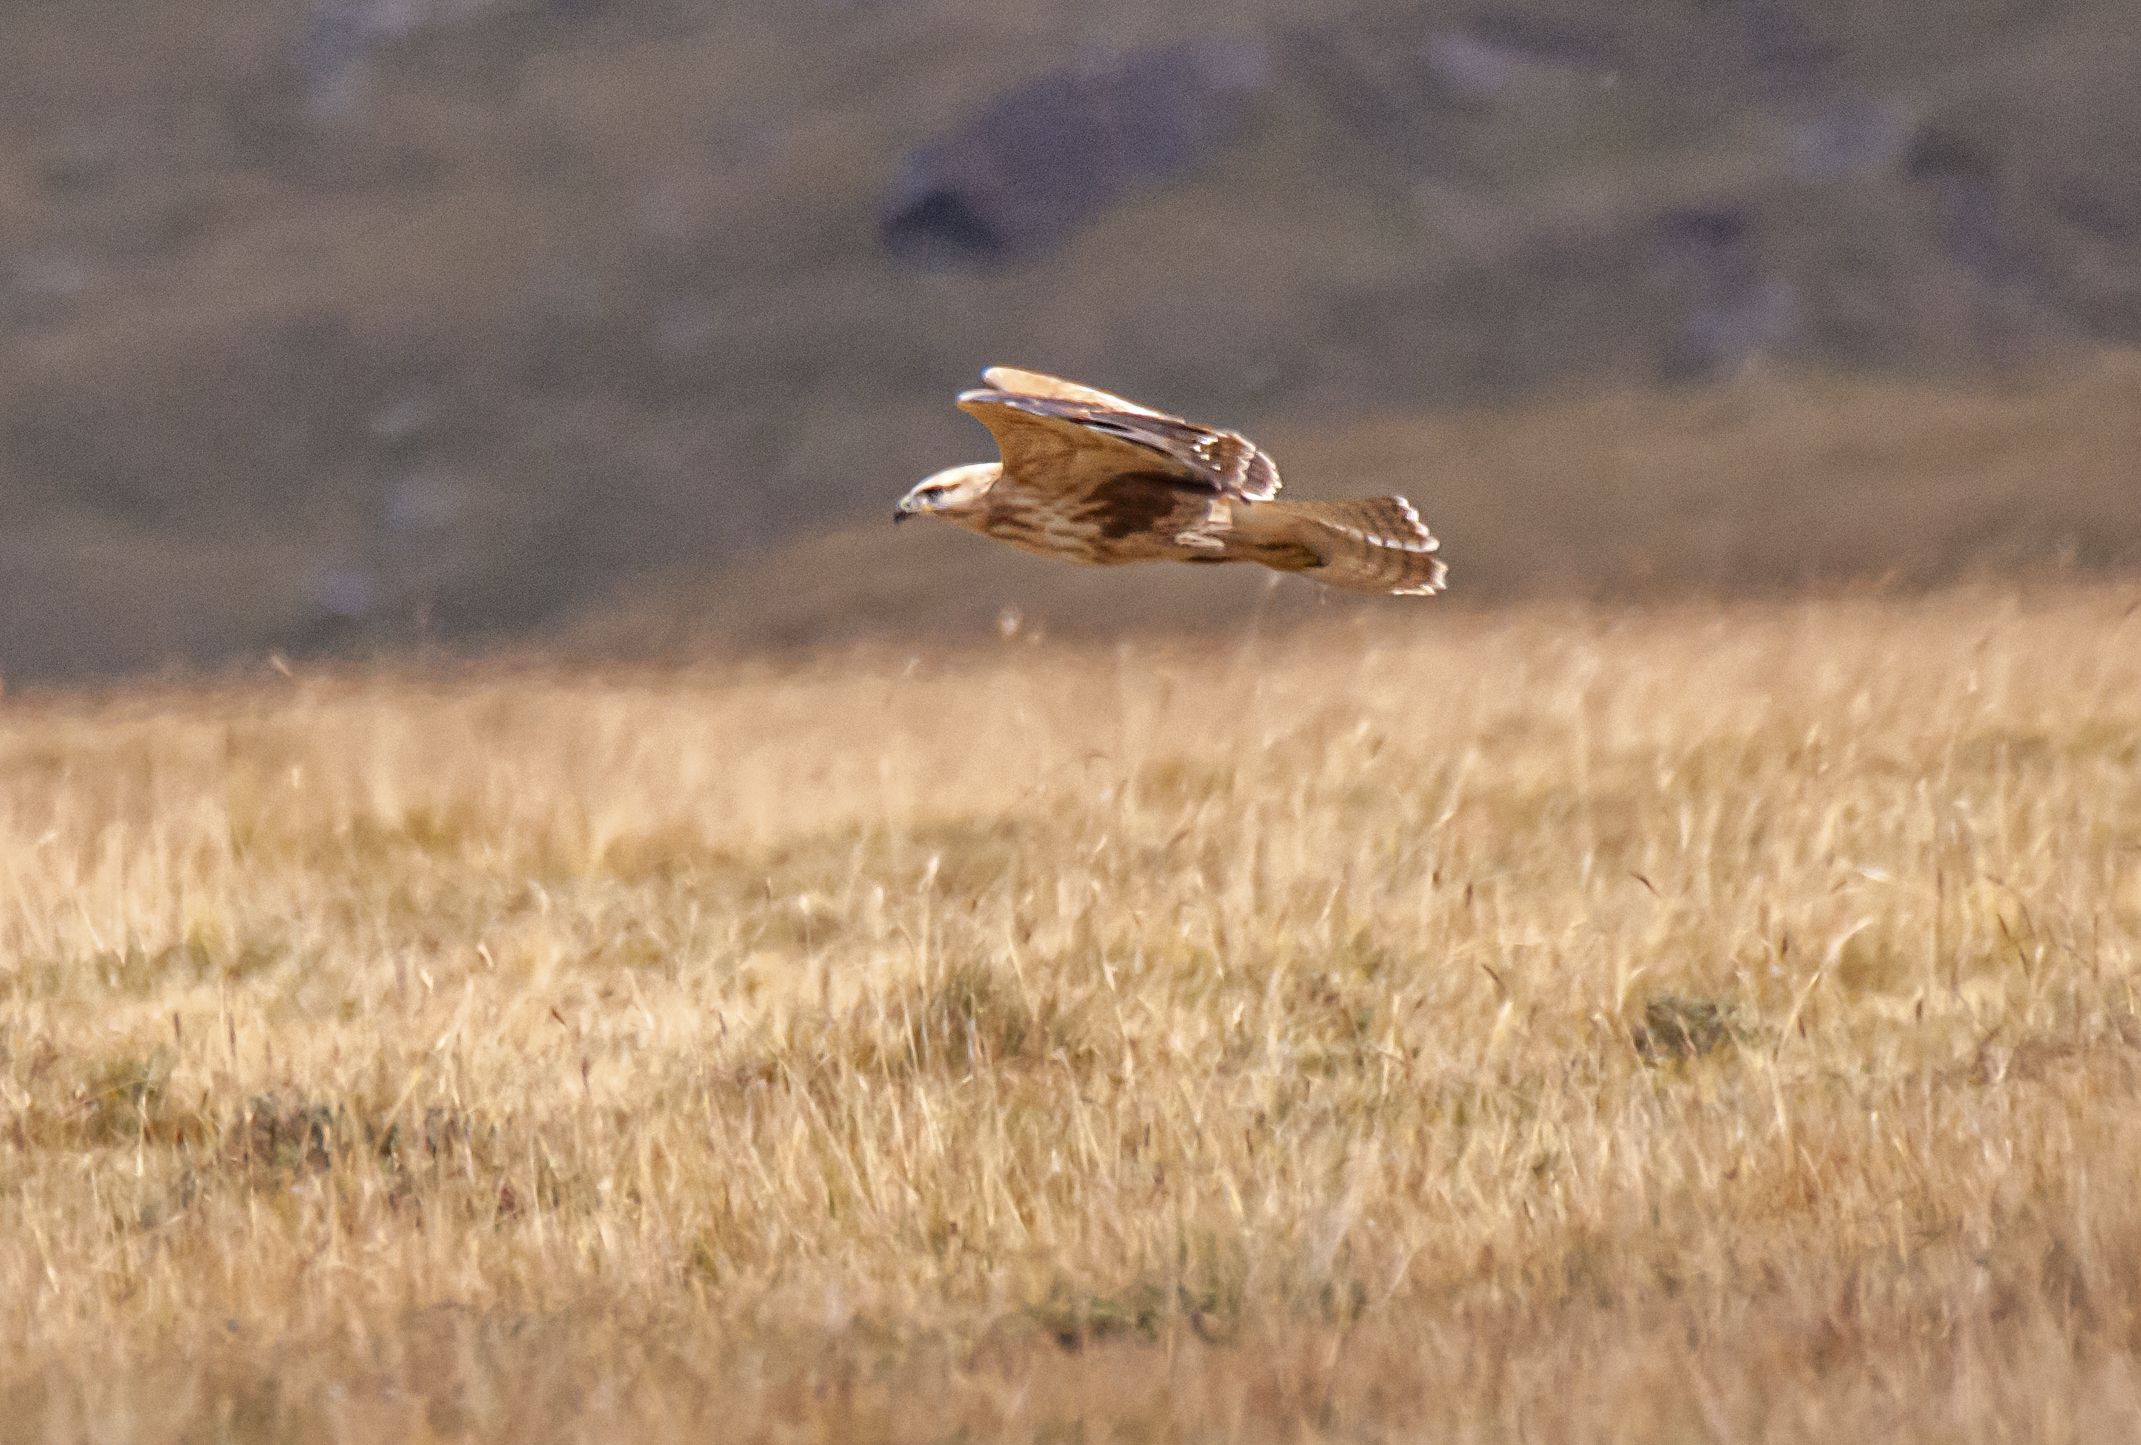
x=1037 y=433
x=1034 y=383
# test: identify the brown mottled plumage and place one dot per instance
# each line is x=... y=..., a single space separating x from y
x=1096 y=478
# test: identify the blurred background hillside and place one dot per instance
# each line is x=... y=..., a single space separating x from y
x=337 y=324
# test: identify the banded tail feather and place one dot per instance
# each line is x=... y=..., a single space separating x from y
x=1373 y=544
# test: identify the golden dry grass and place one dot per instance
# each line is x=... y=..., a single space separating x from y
x=1560 y=1025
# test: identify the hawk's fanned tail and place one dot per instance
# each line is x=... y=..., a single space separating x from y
x=1375 y=544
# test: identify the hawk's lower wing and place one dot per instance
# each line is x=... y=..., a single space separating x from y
x=1047 y=452
x=1036 y=433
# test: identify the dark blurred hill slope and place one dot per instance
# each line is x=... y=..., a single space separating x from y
x=361 y=319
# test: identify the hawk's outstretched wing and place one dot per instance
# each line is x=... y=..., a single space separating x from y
x=1040 y=436
x=1035 y=383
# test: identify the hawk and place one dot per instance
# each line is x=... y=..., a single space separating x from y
x=1095 y=478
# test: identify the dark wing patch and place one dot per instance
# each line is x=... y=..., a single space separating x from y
x=1220 y=461
x=1134 y=504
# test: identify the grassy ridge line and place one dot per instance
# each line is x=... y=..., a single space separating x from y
x=1754 y=489
x=1585 y=1024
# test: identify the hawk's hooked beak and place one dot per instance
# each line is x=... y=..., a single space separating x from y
x=900 y=514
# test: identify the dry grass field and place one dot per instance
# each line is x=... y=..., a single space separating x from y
x=1560 y=1024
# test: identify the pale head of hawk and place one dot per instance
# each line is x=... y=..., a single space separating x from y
x=1095 y=478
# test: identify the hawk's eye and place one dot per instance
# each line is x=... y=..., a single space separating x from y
x=932 y=494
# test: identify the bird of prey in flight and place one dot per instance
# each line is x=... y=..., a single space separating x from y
x=1095 y=478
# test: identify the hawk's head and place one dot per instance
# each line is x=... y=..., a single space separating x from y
x=951 y=491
